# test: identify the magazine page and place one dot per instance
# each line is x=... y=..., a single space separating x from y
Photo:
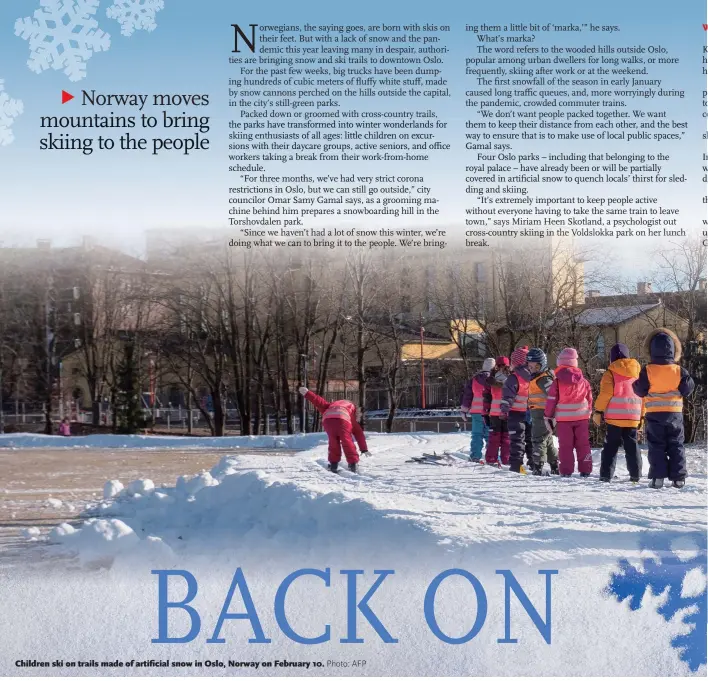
x=353 y=339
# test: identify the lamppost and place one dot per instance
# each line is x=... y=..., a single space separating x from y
x=422 y=366
x=303 y=406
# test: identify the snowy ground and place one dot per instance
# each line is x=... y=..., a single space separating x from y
x=273 y=515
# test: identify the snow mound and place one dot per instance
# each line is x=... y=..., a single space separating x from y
x=112 y=488
x=140 y=487
x=31 y=533
x=189 y=487
x=97 y=542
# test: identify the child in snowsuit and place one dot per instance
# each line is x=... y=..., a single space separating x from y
x=473 y=404
x=515 y=403
x=65 y=427
x=664 y=384
x=498 y=446
x=569 y=404
x=544 y=446
x=622 y=411
x=340 y=424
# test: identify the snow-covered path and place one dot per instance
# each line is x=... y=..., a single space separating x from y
x=534 y=519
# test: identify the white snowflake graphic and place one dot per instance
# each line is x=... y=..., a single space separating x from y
x=9 y=110
x=63 y=35
x=135 y=15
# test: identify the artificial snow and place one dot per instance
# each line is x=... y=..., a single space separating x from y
x=31 y=533
x=112 y=488
x=54 y=503
x=630 y=560
x=140 y=487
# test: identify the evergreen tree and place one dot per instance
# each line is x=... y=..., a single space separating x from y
x=130 y=417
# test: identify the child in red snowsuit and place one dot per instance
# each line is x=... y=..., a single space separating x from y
x=340 y=424
x=570 y=405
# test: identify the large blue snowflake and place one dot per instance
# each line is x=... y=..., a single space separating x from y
x=665 y=575
x=62 y=34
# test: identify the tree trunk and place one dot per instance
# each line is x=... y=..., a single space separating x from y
x=219 y=414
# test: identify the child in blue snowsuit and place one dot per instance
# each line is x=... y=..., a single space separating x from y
x=472 y=404
x=664 y=384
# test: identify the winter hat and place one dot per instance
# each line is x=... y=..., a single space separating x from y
x=488 y=364
x=518 y=357
x=619 y=351
x=568 y=357
x=502 y=361
x=539 y=356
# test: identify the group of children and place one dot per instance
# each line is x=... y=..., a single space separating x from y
x=518 y=404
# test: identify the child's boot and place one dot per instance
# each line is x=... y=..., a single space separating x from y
x=656 y=483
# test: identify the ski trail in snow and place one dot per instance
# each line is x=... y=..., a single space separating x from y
x=536 y=519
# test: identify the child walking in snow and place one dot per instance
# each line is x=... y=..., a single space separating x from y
x=473 y=404
x=622 y=411
x=340 y=424
x=498 y=446
x=569 y=404
x=664 y=384
x=514 y=405
x=544 y=446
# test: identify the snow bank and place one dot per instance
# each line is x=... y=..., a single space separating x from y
x=112 y=488
x=32 y=441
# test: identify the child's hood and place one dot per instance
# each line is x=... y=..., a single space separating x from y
x=663 y=346
x=569 y=375
x=626 y=367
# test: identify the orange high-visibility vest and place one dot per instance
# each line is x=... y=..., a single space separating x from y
x=495 y=409
x=521 y=401
x=477 y=406
x=663 y=394
x=537 y=398
x=624 y=405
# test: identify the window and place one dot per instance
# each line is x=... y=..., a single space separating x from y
x=600 y=346
x=474 y=343
x=480 y=271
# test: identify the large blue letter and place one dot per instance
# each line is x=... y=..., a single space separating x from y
x=510 y=584
x=163 y=605
x=250 y=614
x=429 y=607
x=363 y=606
x=282 y=619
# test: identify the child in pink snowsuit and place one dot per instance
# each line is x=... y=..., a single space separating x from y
x=570 y=406
x=65 y=428
x=340 y=424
